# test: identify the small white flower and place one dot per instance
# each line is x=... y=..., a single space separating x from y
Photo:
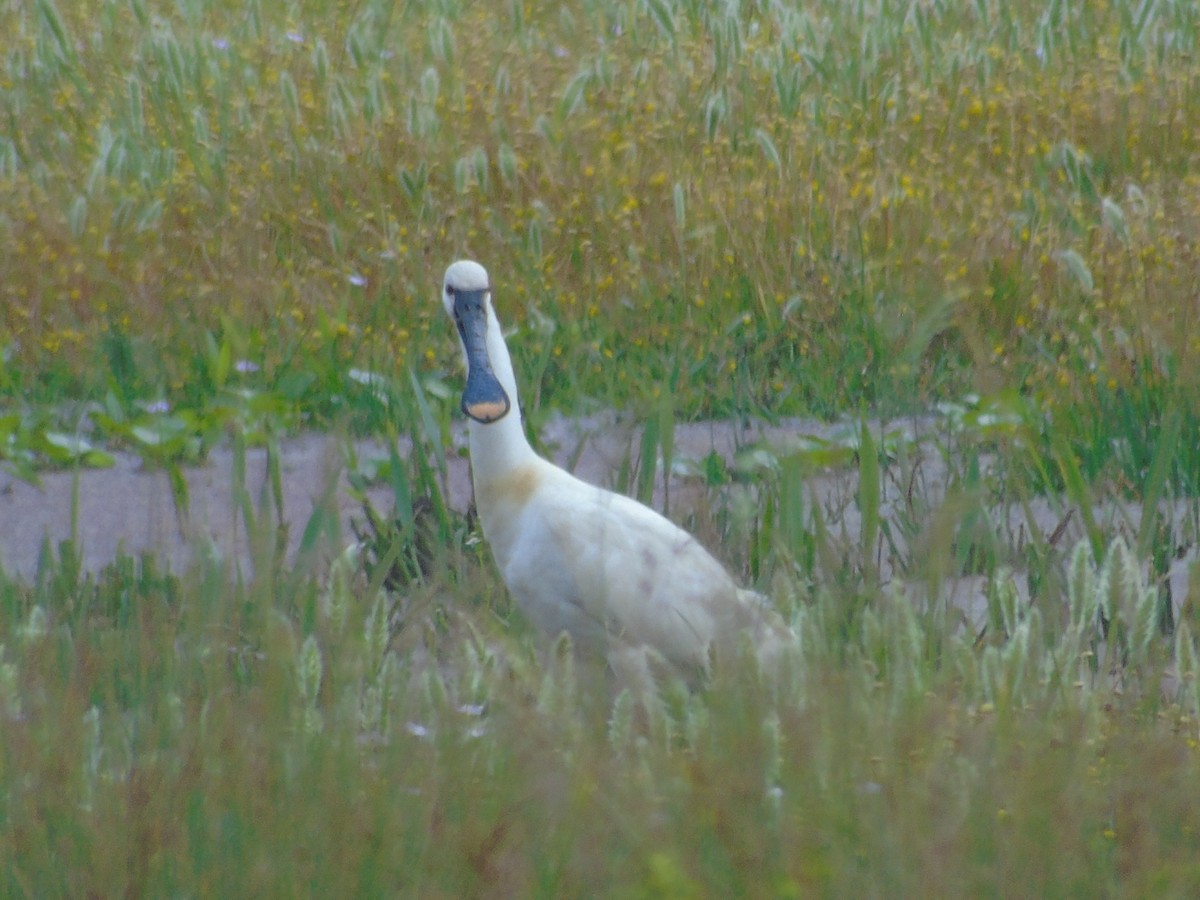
x=368 y=379
x=357 y=280
x=245 y=366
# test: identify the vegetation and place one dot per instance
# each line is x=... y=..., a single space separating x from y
x=230 y=218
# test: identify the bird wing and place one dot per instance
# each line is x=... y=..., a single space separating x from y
x=603 y=566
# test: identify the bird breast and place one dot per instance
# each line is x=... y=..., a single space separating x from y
x=600 y=565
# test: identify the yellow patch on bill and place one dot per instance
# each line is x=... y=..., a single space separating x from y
x=486 y=410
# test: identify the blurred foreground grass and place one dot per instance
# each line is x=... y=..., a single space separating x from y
x=285 y=733
x=225 y=215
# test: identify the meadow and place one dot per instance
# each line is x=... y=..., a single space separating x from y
x=227 y=222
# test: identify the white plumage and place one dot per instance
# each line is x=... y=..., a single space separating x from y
x=623 y=581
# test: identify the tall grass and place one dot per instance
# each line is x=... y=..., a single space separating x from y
x=229 y=220
x=288 y=732
x=828 y=205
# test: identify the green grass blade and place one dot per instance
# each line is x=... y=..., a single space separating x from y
x=870 y=479
x=1166 y=452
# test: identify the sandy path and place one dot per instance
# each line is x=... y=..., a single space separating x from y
x=130 y=509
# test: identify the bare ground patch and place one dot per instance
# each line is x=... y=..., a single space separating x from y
x=131 y=509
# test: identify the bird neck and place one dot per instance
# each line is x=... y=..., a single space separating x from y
x=501 y=446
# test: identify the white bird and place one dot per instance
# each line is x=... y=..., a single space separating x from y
x=626 y=583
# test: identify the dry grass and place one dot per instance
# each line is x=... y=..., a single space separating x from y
x=825 y=206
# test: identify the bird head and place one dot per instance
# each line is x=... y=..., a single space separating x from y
x=467 y=297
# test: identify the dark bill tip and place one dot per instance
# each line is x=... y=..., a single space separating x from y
x=484 y=398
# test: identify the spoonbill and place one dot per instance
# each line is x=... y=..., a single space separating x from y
x=627 y=584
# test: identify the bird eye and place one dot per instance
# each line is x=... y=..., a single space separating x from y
x=449 y=290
